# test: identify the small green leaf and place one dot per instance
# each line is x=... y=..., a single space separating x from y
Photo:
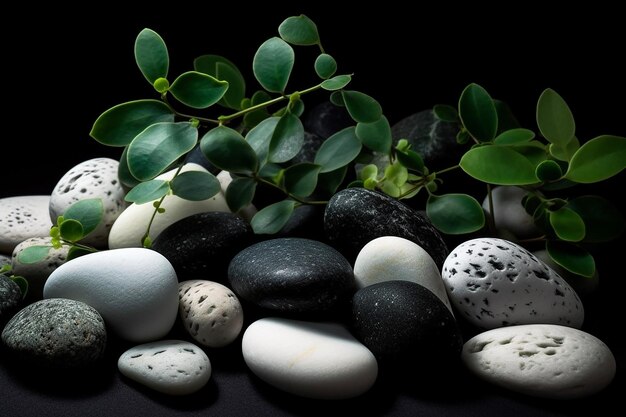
x=336 y=83
x=376 y=135
x=240 y=193
x=223 y=69
x=147 y=242
x=161 y=85
x=259 y=137
x=411 y=159
x=198 y=90
x=548 y=170
x=567 y=224
x=463 y=137
x=119 y=125
x=391 y=189
x=271 y=172
x=123 y=172
x=301 y=179
x=195 y=185
x=148 y=191
x=603 y=221
x=514 y=136
x=325 y=66
x=397 y=174
x=88 y=212
x=478 y=113
x=157 y=147
x=499 y=165
x=22 y=283
x=455 y=213
x=554 y=118
x=71 y=230
x=273 y=217
x=369 y=172
x=287 y=138
x=76 y=252
x=228 y=150
x=299 y=30
x=531 y=202
x=337 y=99
x=534 y=151
x=329 y=182
x=446 y=113
x=272 y=64
x=338 y=150
x=571 y=257
x=565 y=153
x=600 y=158
x=362 y=108
x=151 y=55
x=296 y=107
x=33 y=254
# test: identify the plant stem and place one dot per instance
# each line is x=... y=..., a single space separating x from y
x=158 y=206
x=294 y=197
x=437 y=173
x=187 y=116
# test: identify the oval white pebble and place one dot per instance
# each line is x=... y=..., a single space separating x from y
x=22 y=218
x=210 y=312
x=173 y=367
x=310 y=359
x=394 y=258
x=542 y=360
x=135 y=290
x=509 y=212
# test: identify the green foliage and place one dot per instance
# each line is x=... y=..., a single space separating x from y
x=228 y=150
x=198 y=90
x=222 y=69
x=287 y=138
x=299 y=30
x=273 y=217
x=33 y=254
x=478 y=113
x=325 y=66
x=597 y=160
x=195 y=185
x=505 y=166
x=554 y=118
x=148 y=191
x=338 y=150
x=151 y=55
x=272 y=64
x=455 y=213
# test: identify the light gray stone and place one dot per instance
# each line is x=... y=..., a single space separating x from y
x=509 y=213
x=22 y=218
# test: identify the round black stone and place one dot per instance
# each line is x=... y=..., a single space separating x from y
x=10 y=298
x=326 y=119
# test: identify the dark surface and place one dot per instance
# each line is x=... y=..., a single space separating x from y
x=63 y=66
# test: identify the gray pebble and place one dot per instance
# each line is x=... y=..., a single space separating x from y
x=21 y=218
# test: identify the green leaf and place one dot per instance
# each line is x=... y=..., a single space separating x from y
x=600 y=158
x=198 y=90
x=71 y=230
x=411 y=159
x=567 y=224
x=325 y=66
x=362 y=108
x=119 y=125
x=329 y=182
x=397 y=174
x=446 y=113
x=88 y=212
x=273 y=217
x=336 y=83
x=297 y=107
x=123 y=172
x=554 y=118
x=223 y=69
x=228 y=150
x=565 y=153
x=548 y=170
x=514 y=136
x=534 y=151
x=22 y=283
x=301 y=179
x=499 y=165
x=376 y=135
x=240 y=193
x=506 y=119
x=478 y=113
x=338 y=150
x=151 y=55
x=76 y=252
x=33 y=254
x=148 y=191
x=157 y=147
x=337 y=99
x=571 y=257
x=260 y=136
x=299 y=30
x=195 y=185
x=272 y=64
x=455 y=213
x=369 y=172
x=603 y=221
x=287 y=138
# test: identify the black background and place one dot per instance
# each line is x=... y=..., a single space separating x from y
x=63 y=66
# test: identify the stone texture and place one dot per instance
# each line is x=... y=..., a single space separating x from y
x=325 y=119
x=584 y=286
x=10 y=299
x=22 y=218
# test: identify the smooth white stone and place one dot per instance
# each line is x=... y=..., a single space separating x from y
x=131 y=225
x=37 y=273
x=542 y=360
x=94 y=178
x=173 y=367
x=509 y=213
x=135 y=290
x=494 y=283
x=390 y=258
x=310 y=359
x=210 y=312
x=22 y=218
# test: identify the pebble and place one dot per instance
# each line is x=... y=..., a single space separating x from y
x=309 y=359
x=57 y=333
x=493 y=283
x=173 y=367
x=134 y=289
x=541 y=360
x=202 y=245
x=10 y=298
x=394 y=258
x=22 y=218
x=509 y=213
x=326 y=119
x=584 y=286
x=94 y=178
x=355 y=216
x=4 y=260
x=292 y=276
x=210 y=312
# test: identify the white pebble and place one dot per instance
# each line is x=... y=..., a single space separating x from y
x=22 y=218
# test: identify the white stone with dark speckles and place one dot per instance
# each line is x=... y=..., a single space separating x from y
x=22 y=218
x=493 y=283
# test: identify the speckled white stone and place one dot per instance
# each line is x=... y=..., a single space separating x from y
x=134 y=289
x=583 y=286
x=95 y=178
x=172 y=367
x=22 y=218
x=510 y=215
x=131 y=225
x=494 y=282
x=394 y=258
x=315 y=360
x=4 y=260
x=210 y=312
x=37 y=273
x=542 y=360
